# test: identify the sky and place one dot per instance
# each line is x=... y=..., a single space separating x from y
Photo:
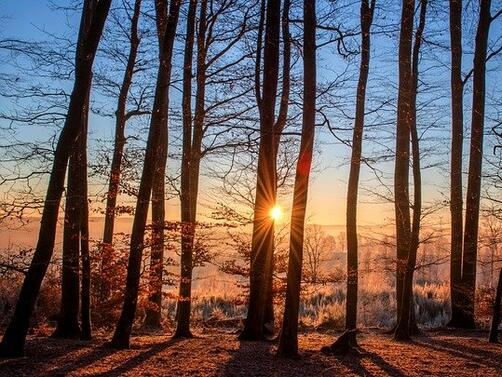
x=30 y=19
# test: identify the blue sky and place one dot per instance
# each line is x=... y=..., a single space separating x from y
x=29 y=19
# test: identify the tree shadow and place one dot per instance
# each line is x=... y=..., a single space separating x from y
x=481 y=356
x=353 y=362
x=140 y=358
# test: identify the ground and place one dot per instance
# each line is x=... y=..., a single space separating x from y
x=439 y=353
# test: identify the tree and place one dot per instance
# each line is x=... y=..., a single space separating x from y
x=187 y=209
x=262 y=242
x=401 y=172
x=407 y=309
x=166 y=26
x=288 y=342
x=94 y=15
x=470 y=246
x=121 y=117
x=457 y=139
x=367 y=11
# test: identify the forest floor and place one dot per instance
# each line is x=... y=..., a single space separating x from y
x=218 y=353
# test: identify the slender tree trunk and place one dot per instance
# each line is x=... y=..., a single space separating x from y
x=68 y=325
x=94 y=15
x=401 y=180
x=475 y=164
x=494 y=329
x=167 y=29
x=406 y=314
x=118 y=152
x=279 y=126
x=85 y=292
x=154 y=310
x=187 y=217
x=457 y=139
x=288 y=343
x=263 y=227
x=367 y=11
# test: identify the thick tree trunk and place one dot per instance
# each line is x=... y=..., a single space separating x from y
x=118 y=152
x=186 y=197
x=367 y=11
x=167 y=28
x=288 y=343
x=263 y=227
x=475 y=164
x=406 y=318
x=457 y=139
x=401 y=180
x=94 y=15
x=494 y=329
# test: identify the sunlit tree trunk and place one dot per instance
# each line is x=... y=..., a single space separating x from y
x=475 y=164
x=401 y=180
x=118 y=151
x=494 y=329
x=288 y=343
x=406 y=313
x=167 y=29
x=457 y=139
x=94 y=15
x=279 y=126
x=187 y=217
x=367 y=11
x=263 y=228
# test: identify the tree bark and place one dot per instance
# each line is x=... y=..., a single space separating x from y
x=406 y=315
x=367 y=11
x=118 y=152
x=288 y=343
x=68 y=322
x=457 y=140
x=186 y=197
x=494 y=329
x=94 y=15
x=85 y=290
x=279 y=126
x=262 y=243
x=401 y=180
x=167 y=29
x=475 y=165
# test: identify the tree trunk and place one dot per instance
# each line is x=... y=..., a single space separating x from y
x=167 y=29
x=94 y=15
x=262 y=243
x=118 y=152
x=68 y=325
x=288 y=343
x=405 y=318
x=401 y=180
x=187 y=215
x=457 y=139
x=85 y=292
x=475 y=164
x=367 y=11
x=494 y=329
x=279 y=126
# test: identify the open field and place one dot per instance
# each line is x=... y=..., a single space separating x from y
x=439 y=353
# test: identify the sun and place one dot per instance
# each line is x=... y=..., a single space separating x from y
x=276 y=213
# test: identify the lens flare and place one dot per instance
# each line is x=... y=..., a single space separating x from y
x=276 y=213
